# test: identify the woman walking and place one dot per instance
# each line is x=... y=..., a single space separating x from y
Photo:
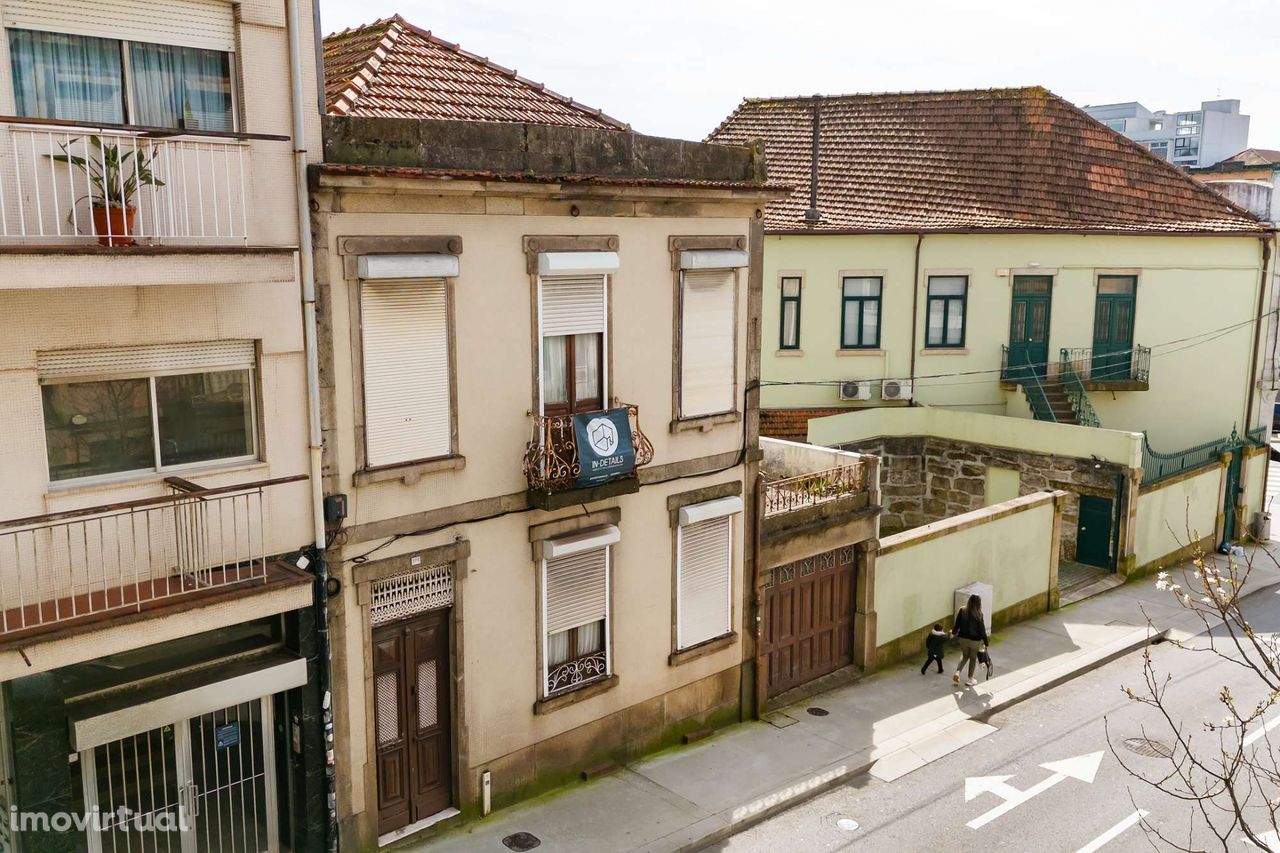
x=971 y=630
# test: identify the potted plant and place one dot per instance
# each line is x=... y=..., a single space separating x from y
x=114 y=178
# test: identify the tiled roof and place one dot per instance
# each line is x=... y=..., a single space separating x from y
x=391 y=68
x=792 y=424
x=997 y=159
x=1256 y=157
x=756 y=187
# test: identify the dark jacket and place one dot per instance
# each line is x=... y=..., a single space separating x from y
x=969 y=629
x=936 y=643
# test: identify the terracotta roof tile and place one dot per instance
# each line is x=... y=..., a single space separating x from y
x=792 y=424
x=391 y=68
x=1000 y=159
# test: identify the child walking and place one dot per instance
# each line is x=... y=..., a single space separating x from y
x=934 y=644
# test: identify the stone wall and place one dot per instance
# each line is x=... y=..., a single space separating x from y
x=926 y=479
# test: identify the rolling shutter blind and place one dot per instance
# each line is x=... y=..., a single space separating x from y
x=138 y=361
x=705 y=557
x=572 y=304
x=706 y=344
x=407 y=400
x=189 y=23
x=576 y=590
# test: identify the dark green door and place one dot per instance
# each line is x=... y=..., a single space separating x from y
x=1113 y=327
x=1029 y=325
x=1230 y=498
x=1093 y=536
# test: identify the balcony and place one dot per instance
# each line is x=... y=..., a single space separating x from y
x=808 y=490
x=1125 y=370
x=68 y=570
x=553 y=464
x=67 y=185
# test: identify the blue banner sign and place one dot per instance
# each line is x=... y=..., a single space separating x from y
x=604 y=444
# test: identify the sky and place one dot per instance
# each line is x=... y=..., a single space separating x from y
x=678 y=68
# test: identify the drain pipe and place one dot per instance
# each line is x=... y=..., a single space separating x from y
x=915 y=316
x=1264 y=244
x=306 y=271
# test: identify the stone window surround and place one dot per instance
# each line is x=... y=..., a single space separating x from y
x=362 y=576
x=537 y=244
x=675 y=503
x=350 y=249
x=677 y=244
x=538 y=534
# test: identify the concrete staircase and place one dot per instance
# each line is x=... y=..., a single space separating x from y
x=1059 y=402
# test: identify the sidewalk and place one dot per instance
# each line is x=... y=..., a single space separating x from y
x=889 y=723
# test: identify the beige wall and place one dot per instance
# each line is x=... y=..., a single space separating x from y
x=1177 y=513
x=1186 y=286
x=1013 y=546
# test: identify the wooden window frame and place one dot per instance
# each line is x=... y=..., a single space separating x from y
x=947 y=302
x=862 y=300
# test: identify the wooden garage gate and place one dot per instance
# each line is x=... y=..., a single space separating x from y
x=808 y=618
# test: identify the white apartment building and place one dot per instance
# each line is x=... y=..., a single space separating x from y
x=158 y=644
x=1192 y=138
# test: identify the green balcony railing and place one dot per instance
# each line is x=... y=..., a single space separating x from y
x=1157 y=466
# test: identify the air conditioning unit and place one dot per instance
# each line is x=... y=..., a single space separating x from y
x=853 y=389
x=895 y=389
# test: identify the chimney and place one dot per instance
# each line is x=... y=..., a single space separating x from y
x=813 y=216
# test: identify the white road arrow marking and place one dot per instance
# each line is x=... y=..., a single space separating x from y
x=1270 y=839
x=1112 y=833
x=1082 y=767
x=1266 y=727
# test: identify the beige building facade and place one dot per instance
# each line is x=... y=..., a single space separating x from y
x=153 y=435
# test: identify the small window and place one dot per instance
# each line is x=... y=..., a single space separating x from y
x=114 y=426
x=182 y=87
x=572 y=314
x=789 y=335
x=946 y=318
x=1185 y=119
x=704 y=569
x=1157 y=125
x=860 y=312
x=1117 y=125
x=707 y=345
x=575 y=620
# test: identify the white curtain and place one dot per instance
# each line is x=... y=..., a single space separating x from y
x=586 y=363
x=184 y=87
x=76 y=78
x=555 y=390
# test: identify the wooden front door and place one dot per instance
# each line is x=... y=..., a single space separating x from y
x=808 y=618
x=411 y=719
x=1029 y=325
x=1113 y=328
x=1093 y=535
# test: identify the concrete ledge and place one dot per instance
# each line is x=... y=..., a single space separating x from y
x=964 y=521
x=573 y=697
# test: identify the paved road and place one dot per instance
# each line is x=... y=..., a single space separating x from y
x=1035 y=809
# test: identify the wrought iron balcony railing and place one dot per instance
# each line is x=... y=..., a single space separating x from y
x=72 y=185
x=551 y=461
x=69 y=566
x=1130 y=365
x=811 y=489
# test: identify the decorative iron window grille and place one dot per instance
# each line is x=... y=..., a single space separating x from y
x=411 y=592
x=576 y=672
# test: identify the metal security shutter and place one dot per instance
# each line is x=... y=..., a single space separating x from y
x=407 y=400
x=137 y=361
x=576 y=590
x=190 y=23
x=572 y=305
x=707 y=342
x=705 y=569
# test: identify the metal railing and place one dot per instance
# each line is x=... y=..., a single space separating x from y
x=551 y=457
x=65 y=566
x=1158 y=466
x=808 y=490
x=1131 y=365
x=73 y=185
x=1073 y=385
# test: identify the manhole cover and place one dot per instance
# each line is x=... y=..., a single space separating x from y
x=818 y=712
x=520 y=841
x=1148 y=747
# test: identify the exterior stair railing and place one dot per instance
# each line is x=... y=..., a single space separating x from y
x=1027 y=377
x=1073 y=385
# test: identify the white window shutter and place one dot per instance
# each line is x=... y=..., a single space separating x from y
x=208 y=24
x=576 y=590
x=707 y=342
x=98 y=362
x=705 y=574
x=407 y=399
x=573 y=305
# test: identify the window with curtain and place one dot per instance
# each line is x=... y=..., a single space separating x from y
x=572 y=315
x=83 y=78
x=860 y=312
x=59 y=76
x=789 y=334
x=576 y=619
x=947 y=295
